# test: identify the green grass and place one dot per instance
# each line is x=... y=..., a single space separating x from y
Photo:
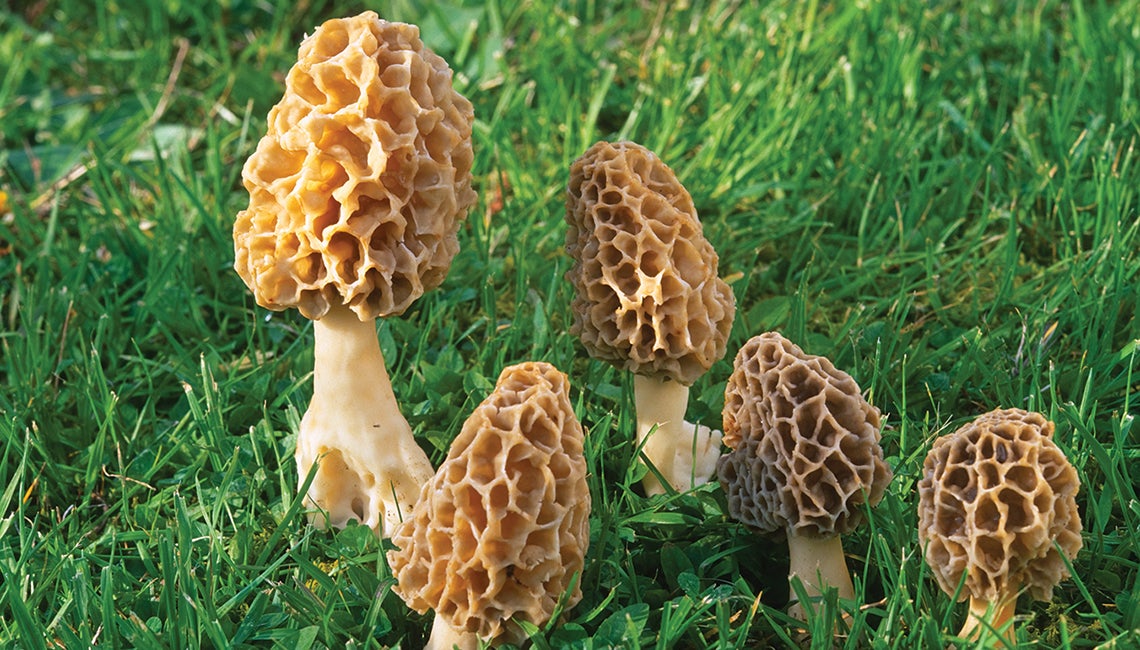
x=943 y=199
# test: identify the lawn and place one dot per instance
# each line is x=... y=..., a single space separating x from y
x=942 y=199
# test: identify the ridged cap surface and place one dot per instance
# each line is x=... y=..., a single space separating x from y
x=501 y=531
x=805 y=443
x=648 y=298
x=359 y=186
x=994 y=497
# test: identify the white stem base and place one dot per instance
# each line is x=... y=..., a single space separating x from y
x=684 y=453
x=819 y=564
x=371 y=468
x=445 y=637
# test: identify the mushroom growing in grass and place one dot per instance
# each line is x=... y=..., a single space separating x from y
x=805 y=459
x=648 y=298
x=499 y=535
x=998 y=514
x=356 y=193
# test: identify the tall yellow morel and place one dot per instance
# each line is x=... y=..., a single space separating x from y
x=356 y=193
x=648 y=298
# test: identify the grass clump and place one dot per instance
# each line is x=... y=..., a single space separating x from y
x=942 y=199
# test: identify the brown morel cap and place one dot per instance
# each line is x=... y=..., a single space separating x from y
x=805 y=444
x=648 y=295
x=359 y=186
x=994 y=496
x=501 y=531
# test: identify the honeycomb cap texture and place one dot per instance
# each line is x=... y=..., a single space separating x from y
x=501 y=531
x=993 y=498
x=358 y=187
x=805 y=444
x=648 y=297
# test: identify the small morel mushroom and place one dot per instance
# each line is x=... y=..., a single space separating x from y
x=648 y=298
x=997 y=514
x=500 y=533
x=805 y=459
x=355 y=196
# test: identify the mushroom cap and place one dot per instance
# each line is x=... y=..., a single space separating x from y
x=805 y=443
x=648 y=295
x=502 y=529
x=358 y=187
x=994 y=496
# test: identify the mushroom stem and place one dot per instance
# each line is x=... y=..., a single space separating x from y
x=819 y=564
x=684 y=453
x=445 y=637
x=985 y=615
x=371 y=468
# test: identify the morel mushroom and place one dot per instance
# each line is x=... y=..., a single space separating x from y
x=648 y=298
x=500 y=533
x=998 y=514
x=356 y=193
x=805 y=459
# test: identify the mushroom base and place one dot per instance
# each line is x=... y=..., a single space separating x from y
x=370 y=467
x=989 y=622
x=445 y=637
x=819 y=564
x=684 y=453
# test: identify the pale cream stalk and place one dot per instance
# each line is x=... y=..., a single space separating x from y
x=986 y=615
x=683 y=452
x=819 y=564
x=445 y=637
x=371 y=468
